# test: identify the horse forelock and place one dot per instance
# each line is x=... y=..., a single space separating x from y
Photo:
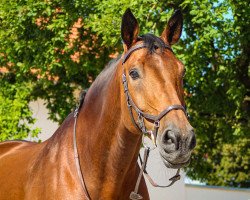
x=152 y=42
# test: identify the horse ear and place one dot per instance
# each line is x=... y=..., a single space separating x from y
x=129 y=28
x=172 y=32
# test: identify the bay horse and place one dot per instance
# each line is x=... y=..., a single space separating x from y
x=139 y=93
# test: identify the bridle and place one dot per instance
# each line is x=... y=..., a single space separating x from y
x=140 y=125
x=155 y=119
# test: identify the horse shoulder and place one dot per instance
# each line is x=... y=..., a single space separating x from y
x=15 y=156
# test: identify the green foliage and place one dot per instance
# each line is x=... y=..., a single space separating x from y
x=52 y=48
x=40 y=42
x=15 y=115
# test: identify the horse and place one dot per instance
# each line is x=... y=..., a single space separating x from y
x=94 y=152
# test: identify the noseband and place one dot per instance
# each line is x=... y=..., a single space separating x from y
x=140 y=125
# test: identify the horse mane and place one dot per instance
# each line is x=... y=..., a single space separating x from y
x=82 y=97
x=152 y=42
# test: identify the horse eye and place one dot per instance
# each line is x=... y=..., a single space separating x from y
x=134 y=74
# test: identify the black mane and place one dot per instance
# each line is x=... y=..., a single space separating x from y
x=152 y=42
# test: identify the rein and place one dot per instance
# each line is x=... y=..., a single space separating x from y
x=140 y=125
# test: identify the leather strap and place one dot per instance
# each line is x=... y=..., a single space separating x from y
x=175 y=178
x=142 y=115
x=137 y=47
x=131 y=50
x=76 y=154
x=134 y=194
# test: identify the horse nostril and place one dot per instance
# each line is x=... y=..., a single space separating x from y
x=170 y=141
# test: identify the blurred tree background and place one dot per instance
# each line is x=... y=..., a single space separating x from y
x=51 y=48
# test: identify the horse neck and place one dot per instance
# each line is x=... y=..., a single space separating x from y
x=108 y=151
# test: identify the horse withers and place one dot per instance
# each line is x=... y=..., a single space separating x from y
x=139 y=93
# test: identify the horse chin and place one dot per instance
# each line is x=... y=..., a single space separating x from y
x=174 y=161
x=169 y=164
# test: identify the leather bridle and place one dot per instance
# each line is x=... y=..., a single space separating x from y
x=140 y=125
x=155 y=119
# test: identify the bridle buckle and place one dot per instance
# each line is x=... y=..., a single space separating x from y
x=157 y=124
x=175 y=178
x=128 y=104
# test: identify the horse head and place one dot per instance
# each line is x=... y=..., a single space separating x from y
x=153 y=101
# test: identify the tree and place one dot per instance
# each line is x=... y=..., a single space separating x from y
x=51 y=48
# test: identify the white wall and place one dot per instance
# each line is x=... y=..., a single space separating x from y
x=161 y=174
x=195 y=192
x=40 y=112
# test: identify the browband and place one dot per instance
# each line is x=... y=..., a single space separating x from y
x=137 y=47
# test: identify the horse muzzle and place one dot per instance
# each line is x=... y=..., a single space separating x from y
x=176 y=148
